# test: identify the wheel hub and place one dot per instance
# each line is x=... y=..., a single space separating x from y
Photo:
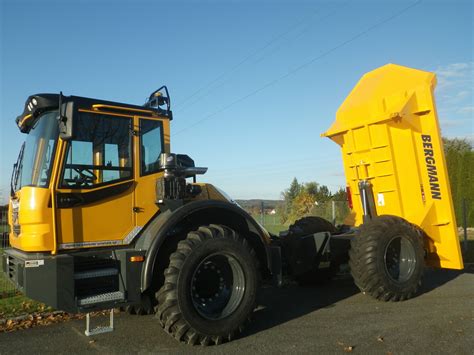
x=400 y=259
x=217 y=286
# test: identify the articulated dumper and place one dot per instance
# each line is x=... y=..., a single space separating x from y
x=103 y=215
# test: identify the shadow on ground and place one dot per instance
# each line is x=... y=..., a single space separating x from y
x=280 y=305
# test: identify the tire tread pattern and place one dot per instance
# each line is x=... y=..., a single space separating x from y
x=363 y=259
x=167 y=310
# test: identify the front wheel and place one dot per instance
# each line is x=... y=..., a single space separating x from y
x=210 y=287
x=387 y=258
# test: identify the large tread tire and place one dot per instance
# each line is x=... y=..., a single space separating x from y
x=176 y=311
x=311 y=225
x=145 y=307
x=368 y=253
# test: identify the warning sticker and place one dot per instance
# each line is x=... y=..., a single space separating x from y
x=34 y=263
x=380 y=200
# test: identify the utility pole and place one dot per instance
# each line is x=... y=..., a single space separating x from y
x=263 y=213
x=333 y=204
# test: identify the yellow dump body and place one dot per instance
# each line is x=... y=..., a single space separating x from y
x=389 y=135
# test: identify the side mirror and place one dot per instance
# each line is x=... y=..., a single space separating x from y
x=66 y=120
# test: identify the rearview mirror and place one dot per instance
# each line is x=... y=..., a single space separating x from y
x=66 y=120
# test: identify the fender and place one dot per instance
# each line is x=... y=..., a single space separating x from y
x=157 y=230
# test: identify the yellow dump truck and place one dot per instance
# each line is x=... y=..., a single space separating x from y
x=397 y=181
x=103 y=215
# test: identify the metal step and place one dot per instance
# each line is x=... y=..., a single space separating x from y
x=95 y=273
x=104 y=297
x=100 y=329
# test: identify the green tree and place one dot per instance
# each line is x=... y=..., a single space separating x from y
x=288 y=197
x=311 y=188
x=304 y=199
x=460 y=161
x=340 y=195
x=293 y=191
x=323 y=195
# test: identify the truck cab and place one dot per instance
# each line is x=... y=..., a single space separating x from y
x=100 y=193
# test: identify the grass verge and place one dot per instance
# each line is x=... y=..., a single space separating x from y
x=19 y=305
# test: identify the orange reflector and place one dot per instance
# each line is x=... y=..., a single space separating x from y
x=137 y=258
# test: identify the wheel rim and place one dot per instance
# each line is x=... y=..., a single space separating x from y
x=400 y=259
x=217 y=286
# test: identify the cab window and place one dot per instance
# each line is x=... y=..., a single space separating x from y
x=151 y=145
x=101 y=152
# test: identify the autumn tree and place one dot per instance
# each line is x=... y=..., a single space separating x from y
x=302 y=199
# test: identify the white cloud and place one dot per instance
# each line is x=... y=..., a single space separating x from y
x=467 y=137
x=466 y=109
x=457 y=75
x=455 y=72
x=445 y=123
x=455 y=98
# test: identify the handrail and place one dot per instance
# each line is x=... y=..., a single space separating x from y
x=99 y=106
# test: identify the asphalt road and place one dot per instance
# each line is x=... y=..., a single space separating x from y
x=327 y=319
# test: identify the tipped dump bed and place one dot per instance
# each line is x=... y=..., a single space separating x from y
x=389 y=135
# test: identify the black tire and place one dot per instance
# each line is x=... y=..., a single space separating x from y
x=387 y=258
x=145 y=307
x=310 y=225
x=216 y=262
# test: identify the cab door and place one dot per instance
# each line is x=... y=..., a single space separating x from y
x=152 y=140
x=95 y=192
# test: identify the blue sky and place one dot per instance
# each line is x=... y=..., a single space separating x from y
x=253 y=83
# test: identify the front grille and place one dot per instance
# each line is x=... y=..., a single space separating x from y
x=15 y=271
x=10 y=268
x=16 y=230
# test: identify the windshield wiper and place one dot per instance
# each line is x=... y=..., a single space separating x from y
x=16 y=171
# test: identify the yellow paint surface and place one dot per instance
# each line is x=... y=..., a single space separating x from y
x=389 y=134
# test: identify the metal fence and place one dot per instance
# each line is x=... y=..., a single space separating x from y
x=7 y=288
x=269 y=217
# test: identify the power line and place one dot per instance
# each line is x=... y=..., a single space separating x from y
x=276 y=49
x=244 y=60
x=302 y=66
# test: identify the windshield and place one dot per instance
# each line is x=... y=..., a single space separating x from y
x=34 y=165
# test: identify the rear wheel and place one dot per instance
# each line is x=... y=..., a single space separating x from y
x=387 y=258
x=311 y=225
x=210 y=287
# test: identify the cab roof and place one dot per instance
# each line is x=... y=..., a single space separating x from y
x=37 y=104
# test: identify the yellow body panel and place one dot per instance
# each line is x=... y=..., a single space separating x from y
x=210 y=192
x=145 y=187
x=106 y=222
x=35 y=219
x=389 y=135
